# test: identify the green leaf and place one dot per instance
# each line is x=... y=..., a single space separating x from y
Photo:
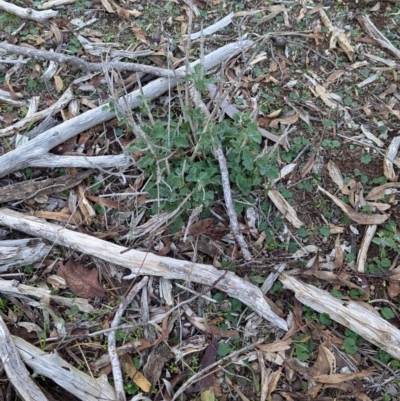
x=325 y=231
x=181 y=142
x=337 y=294
x=384 y=356
x=302 y=232
x=236 y=305
x=366 y=159
x=350 y=345
x=223 y=349
x=387 y=313
x=325 y=319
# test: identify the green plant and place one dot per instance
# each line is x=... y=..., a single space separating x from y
x=388 y=238
x=9 y=22
x=3 y=304
x=387 y=313
x=304 y=346
x=330 y=143
x=73 y=45
x=351 y=341
x=181 y=163
x=223 y=349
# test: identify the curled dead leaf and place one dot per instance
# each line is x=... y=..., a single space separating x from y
x=360 y=218
x=82 y=281
x=335 y=174
x=381 y=191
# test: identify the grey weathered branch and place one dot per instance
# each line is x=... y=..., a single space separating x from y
x=16 y=371
x=39 y=146
x=80 y=384
x=142 y=263
x=27 y=13
x=112 y=343
x=87 y=66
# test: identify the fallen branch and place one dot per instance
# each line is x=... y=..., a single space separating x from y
x=54 y=3
x=234 y=224
x=13 y=287
x=16 y=371
x=50 y=365
x=225 y=181
x=27 y=13
x=112 y=342
x=21 y=252
x=28 y=189
x=39 y=146
x=142 y=263
x=56 y=161
x=351 y=314
x=61 y=103
x=85 y=66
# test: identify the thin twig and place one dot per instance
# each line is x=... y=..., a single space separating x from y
x=86 y=66
x=112 y=347
x=226 y=186
x=199 y=374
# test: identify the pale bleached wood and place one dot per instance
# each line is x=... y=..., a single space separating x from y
x=364 y=322
x=15 y=288
x=112 y=342
x=19 y=126
x=27 y=13
x=55 y=4
x=86 y=66
x=143 y=263
x=21 y=157
x=51 y=160
x=16 y=371
x=21 y=252
x=51 y=365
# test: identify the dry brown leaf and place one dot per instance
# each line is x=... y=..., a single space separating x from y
x=201 y=226
x=122 y=12
x=337 y=36
x=325 y=96
x=301 y=15
x=360 y=218
x=308 y=167
x=376 y=7
x=56 y=32
x=394 y=289
x=81 y=281
x=333 y=77
x=283 y=206
x=104 y=201
x=58 y=83
x=326 y=361
x=129 y=368
x=58 y=216
x=316 y=9
x=274 y=113
x=342 y=377
x=276 y=346
x=285 y=120
x=107 y=6
x=362 y=397
x=211 y=328
x=335 y=174
x=338 y=254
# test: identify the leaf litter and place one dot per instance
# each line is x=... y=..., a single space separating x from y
x=332 y=137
